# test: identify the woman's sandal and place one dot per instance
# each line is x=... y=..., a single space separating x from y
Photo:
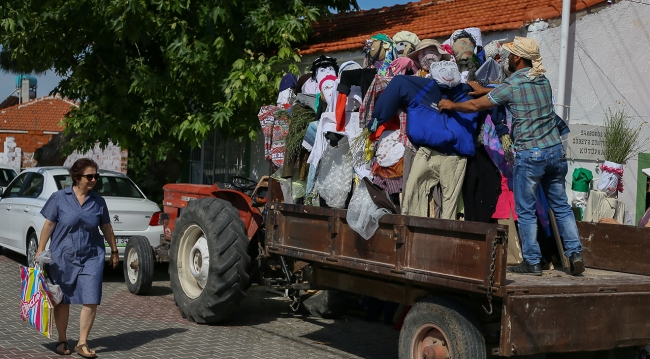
x=66 y=348
x=79 y=349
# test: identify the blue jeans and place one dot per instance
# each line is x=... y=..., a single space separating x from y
x=549 y=170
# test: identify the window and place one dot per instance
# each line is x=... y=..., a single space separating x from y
x=218 y=159
x=34 y=186
x=6 y=175
x=63 y=181
x=107 y=186
x=13 y=190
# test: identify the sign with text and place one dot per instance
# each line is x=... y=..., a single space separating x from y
x=585 y=142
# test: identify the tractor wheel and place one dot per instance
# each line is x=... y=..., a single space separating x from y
x=138 y=265
x=438 y=327
x=328 y=304
x=208 y=260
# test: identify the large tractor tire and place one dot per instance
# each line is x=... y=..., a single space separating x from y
x=138 y=265
x=437 y=327
x=208 y=260
x=327 y=304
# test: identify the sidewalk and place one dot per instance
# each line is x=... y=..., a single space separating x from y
x=129 y=326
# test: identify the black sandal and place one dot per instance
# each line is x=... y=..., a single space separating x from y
x=66 y=348
x=78 y=349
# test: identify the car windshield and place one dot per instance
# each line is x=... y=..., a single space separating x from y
x=107 y=186
x=6 y=175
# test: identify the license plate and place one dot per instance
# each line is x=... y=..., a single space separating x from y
x=121 y=241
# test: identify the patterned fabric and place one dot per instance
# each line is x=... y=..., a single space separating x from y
x=397 y=170
x=378 y=86
x=275 y=127
x=530 y=103
x=334 y=178
x=390 y=150
x=391 y=185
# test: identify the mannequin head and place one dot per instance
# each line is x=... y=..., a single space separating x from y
x=323 y=66
x=428 y=56
x=327 y=86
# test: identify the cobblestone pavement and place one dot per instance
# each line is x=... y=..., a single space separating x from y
x=129 y=326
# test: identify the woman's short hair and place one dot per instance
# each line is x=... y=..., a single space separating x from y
x=77 y=169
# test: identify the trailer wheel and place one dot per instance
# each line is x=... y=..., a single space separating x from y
x=138 y=265
x=327 y=304
x=438 y=327
x=208 y=260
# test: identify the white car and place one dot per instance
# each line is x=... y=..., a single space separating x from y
x=7 y=173
x=132 y=214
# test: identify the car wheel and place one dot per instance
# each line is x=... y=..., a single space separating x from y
x=208 y=260
x=138 y=265
x=32 y=247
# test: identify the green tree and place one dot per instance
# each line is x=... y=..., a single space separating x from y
x=157 y=76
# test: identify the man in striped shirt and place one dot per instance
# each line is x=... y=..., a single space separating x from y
x=539 y=156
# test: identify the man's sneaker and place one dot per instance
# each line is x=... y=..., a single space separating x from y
x=525 y=268
x=577 y=265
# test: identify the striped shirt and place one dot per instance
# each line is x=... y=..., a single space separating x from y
x=531 y=105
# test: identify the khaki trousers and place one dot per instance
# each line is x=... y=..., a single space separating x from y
x=429 y=169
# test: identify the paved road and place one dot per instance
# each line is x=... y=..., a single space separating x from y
x=129 y=326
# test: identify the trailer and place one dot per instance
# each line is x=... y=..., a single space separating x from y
x=452 y=273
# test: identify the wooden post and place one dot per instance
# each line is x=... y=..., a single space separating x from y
x=558 y=240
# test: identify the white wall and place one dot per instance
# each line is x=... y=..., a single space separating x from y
x=12 y=155
x=609 y=62
x=112 y=158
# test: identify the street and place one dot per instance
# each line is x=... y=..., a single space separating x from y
x=129 y=326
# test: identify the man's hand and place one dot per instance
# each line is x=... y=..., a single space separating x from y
x=445 y=105
x=608 y=221
x=478 y=89
x=115 y=259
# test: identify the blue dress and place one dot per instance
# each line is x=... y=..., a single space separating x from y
x=77 y=245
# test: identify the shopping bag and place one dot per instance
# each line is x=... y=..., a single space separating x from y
x=36 y=306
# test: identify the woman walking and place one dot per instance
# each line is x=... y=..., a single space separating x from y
x=72 y=218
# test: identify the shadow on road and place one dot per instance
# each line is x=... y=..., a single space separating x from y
x=126 y=341
x=11 y=256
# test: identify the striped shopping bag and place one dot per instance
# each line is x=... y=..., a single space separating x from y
x=36 y=306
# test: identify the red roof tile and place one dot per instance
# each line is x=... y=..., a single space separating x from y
x=41 y=114
x=431 y=19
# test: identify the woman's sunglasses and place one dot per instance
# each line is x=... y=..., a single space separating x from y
x=91 y=177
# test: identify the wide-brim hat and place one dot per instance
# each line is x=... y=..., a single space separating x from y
x=426 y=43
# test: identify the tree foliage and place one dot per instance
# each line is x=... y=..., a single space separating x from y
x=157 y=76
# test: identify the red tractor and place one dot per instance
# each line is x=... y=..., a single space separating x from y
x=214 y=243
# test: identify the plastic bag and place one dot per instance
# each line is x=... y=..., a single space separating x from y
x=36 y=305
x=580 y=200
x=53 y=289
x=363 y=214
x=334 y=177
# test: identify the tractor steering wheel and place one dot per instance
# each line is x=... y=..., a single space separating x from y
x=239 y=182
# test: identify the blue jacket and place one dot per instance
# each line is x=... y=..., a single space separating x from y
x=449 y=132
